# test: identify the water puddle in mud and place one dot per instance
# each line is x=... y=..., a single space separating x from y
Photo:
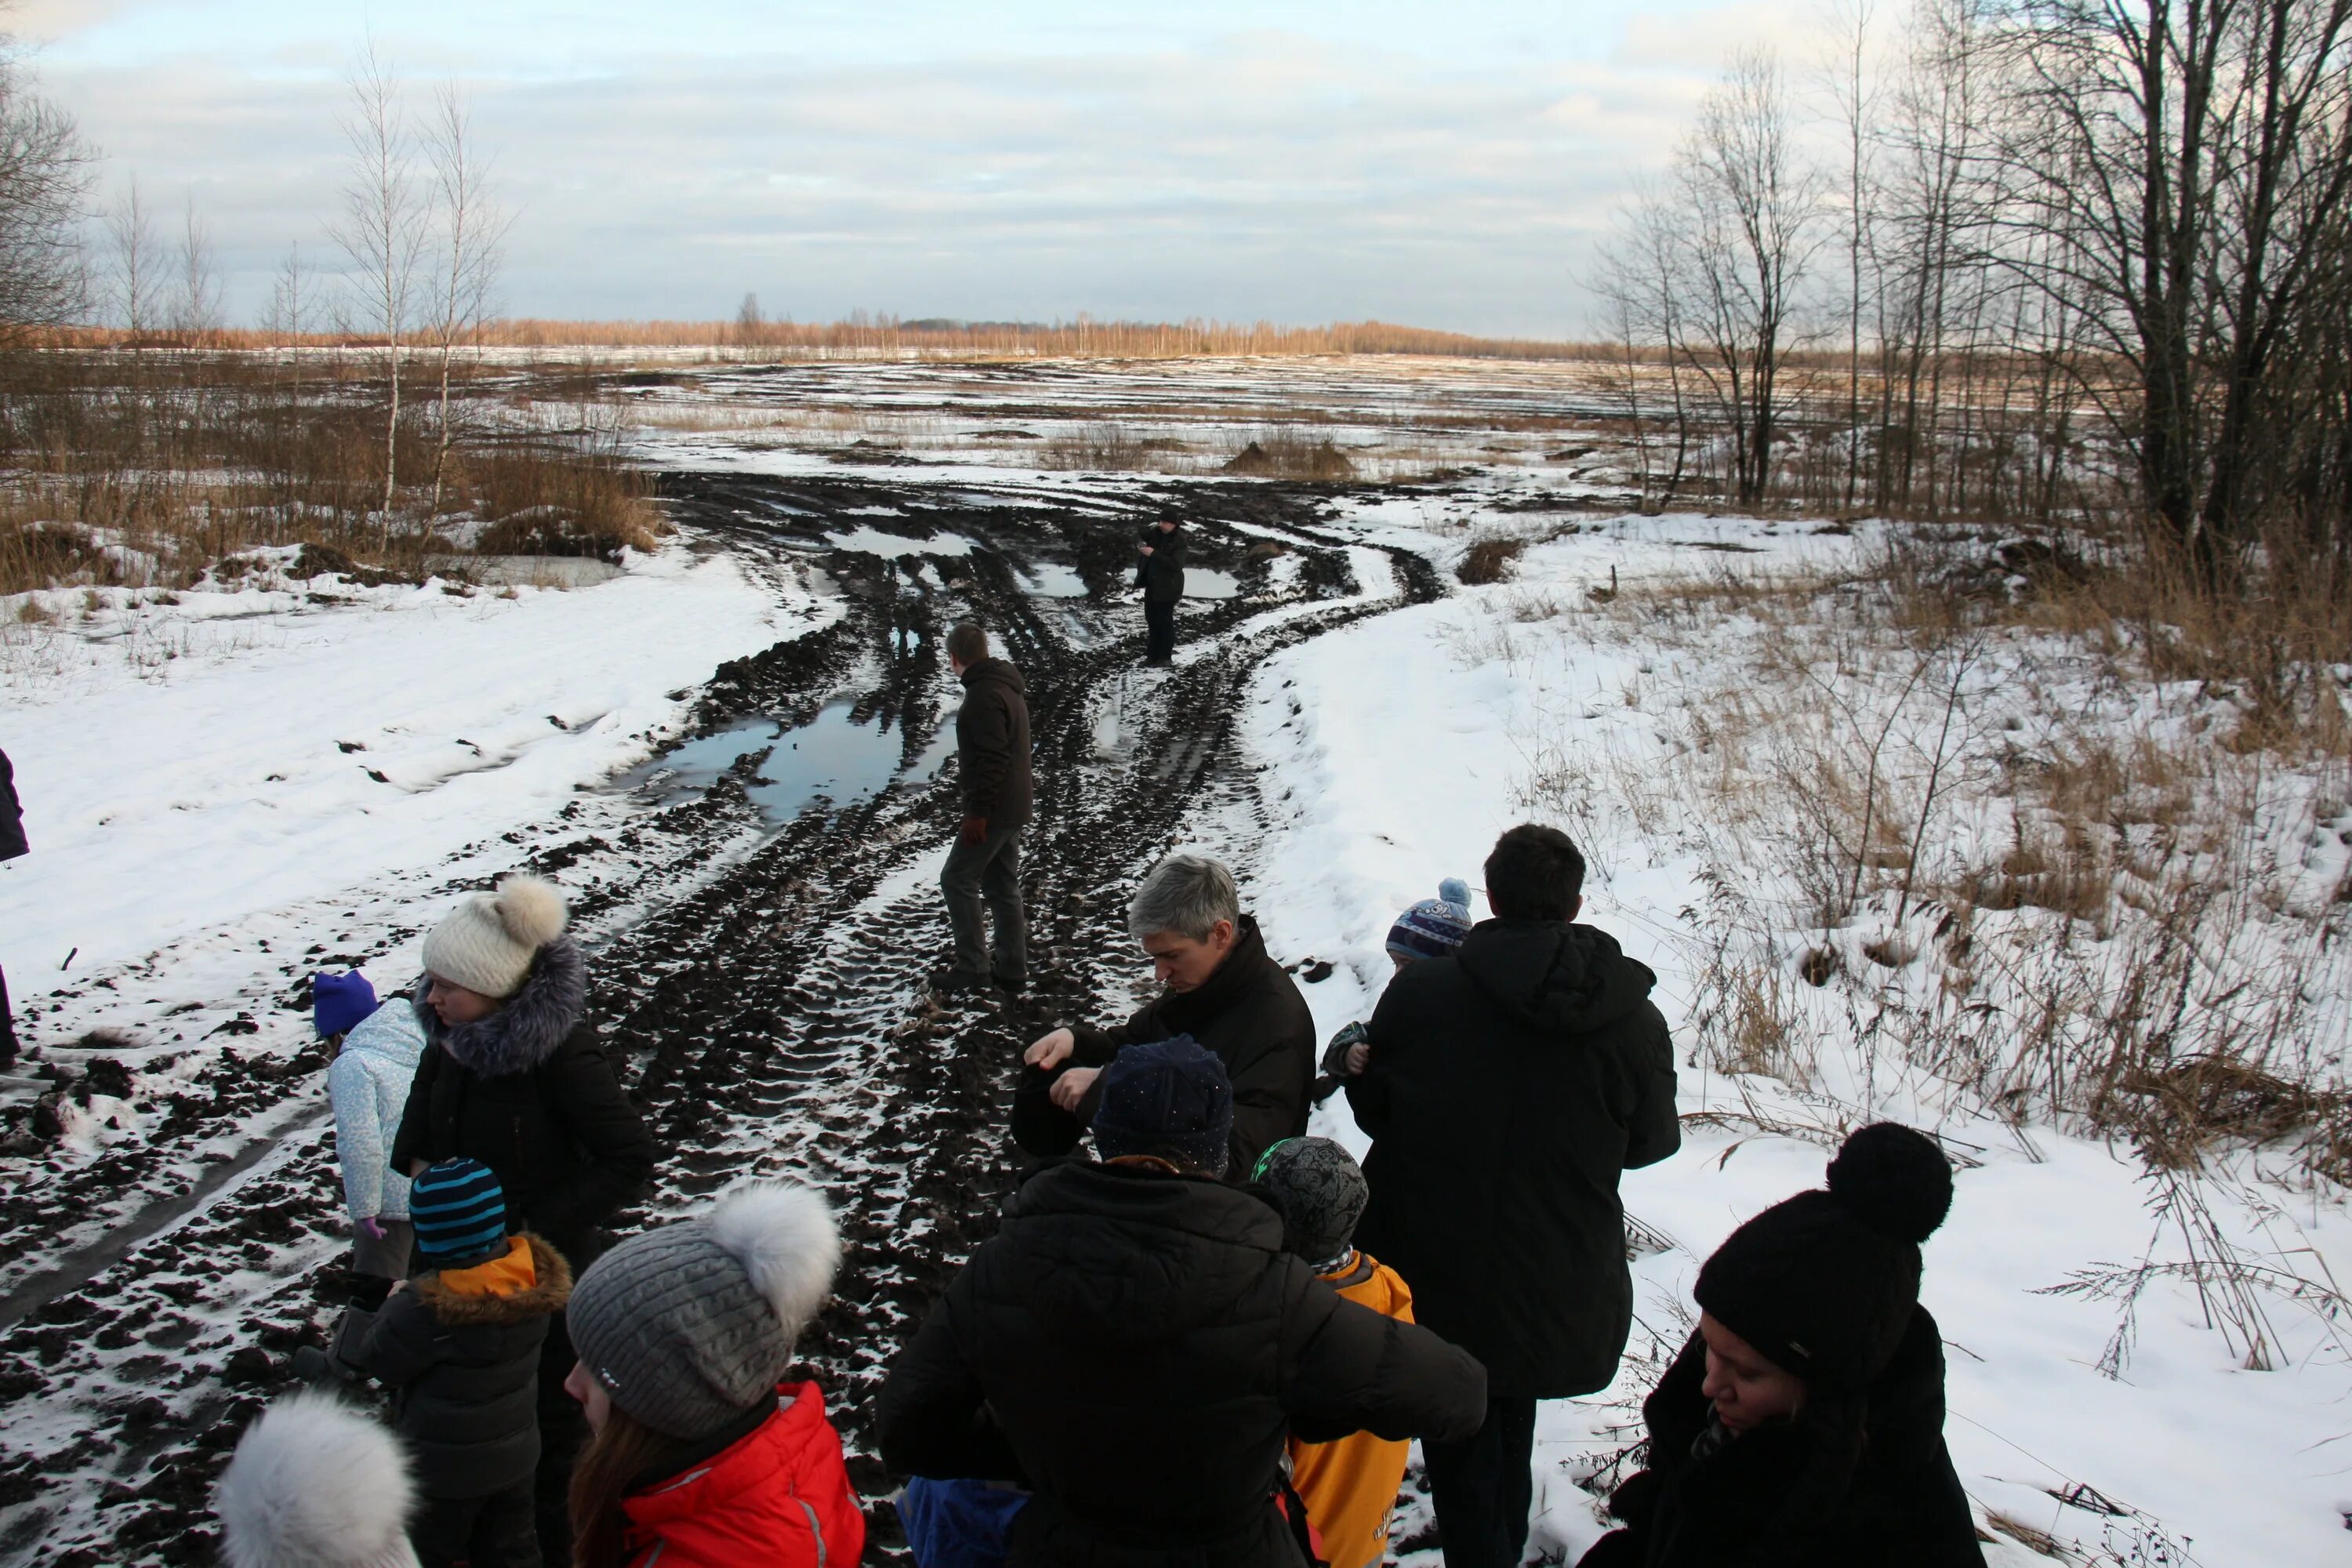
x=1051 y=580
x=1208 y=582
x=833 y=758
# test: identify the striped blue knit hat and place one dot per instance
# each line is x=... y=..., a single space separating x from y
x=1433 y=928
x=459 y=1212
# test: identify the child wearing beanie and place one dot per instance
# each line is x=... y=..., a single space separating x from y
x=1804 y=1420
x=1349 y=1486
x=703 y=1456
x=315 y=1484
x=376 y=1049
x=1432 y=927
x=458 y=1346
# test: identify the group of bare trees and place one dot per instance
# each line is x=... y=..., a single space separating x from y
x=2040 y=259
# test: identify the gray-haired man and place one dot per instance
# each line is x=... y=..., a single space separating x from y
x=1222 y=989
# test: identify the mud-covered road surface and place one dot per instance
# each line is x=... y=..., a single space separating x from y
x=762 y=979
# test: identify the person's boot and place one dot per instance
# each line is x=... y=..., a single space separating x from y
x=955 y=982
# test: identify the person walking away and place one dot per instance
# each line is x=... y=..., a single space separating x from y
x=458 y=1345
x=1349 y=1484
x=1223 y=990
x=704 y=1456
x=12 y=845
x=1506 y=1091
x=1135 y=1346
x=376 y=1052
x=1803 y=1421
x=1433 y=928
x=314 y=1482
x=1162 y=576
x=516 y=1077
x=992 y=754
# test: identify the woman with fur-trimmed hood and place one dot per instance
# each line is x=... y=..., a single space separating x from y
x=514 y=1076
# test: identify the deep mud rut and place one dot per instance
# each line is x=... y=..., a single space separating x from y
x=763 y=982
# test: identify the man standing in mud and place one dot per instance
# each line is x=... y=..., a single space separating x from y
x=992 y=756
x=1161 y=574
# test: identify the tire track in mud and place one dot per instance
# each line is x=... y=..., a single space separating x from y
x=765 y=987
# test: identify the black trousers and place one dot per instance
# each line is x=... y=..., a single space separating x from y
x=493 y=1531
x=1482 y=1489
x=7 y=1026
x=1158 y=628
x=562 y=1433
x=990 y=870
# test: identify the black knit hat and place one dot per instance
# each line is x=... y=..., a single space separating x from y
x=1171 y=1099
x=1823 y=1284
x=1322 y=1194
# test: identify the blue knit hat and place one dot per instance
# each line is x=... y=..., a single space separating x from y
x=1433 y=928
x=1171 y=1099
x=340 y=1002
x=459 y=1212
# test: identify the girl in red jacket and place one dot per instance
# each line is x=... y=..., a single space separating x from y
x=702 y=1459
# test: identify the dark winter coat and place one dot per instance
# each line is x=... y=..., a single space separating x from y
x=993 y=745
x=529 y=1093
x=464 y=1374
x=1508 y=1088
x=1162 y=572
x=1836 y=1488
x=1136 y=1347
x=1249 y=1013
x=12 y=813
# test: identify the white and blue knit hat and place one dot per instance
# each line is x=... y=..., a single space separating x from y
x=1433 y=928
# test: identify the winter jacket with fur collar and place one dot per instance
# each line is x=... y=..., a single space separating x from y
x=530 y=1092
x=368 y=1081
x=779 y=1498
x=464 y=1371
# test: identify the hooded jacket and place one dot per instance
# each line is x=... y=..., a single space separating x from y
x=1836 y=1488
x=1162 y=572
x=12 y=814
x=529 y=1092
x=1250 y=1013
x=1508 y=1086
x=993 y=745
x=1134 y=1346
x=368 y=1082
x=777 y=1498
x=463 y=1366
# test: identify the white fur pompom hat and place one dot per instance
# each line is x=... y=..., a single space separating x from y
x=315 y=1484
x=689 y=1326
x=486 y=944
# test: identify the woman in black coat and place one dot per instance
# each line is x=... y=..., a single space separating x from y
x=1803 y=1423
x=516 y=1078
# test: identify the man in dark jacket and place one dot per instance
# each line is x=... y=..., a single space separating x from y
x=515 y=1076
x=1223 y=988
x=1134 y=1346
x=992 y=755
x=1506 y=1088
x=1161 y=574
x=12 y=844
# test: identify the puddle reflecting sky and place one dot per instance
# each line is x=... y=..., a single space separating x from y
x=831 y=758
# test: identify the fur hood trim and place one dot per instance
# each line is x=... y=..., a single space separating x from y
x=549 y=1296
x=524 y=1033
x=316 y=1483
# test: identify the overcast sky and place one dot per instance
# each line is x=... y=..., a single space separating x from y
x=1442 y=164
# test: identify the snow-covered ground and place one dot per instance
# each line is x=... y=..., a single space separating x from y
x=1399 y=747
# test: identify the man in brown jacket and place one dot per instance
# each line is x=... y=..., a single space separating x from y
x=993 y=751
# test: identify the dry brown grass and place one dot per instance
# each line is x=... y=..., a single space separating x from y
x=1490 y=558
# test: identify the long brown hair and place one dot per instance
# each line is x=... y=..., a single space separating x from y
x=624 y=1451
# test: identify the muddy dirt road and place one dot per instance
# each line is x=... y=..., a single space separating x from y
x=756 y=958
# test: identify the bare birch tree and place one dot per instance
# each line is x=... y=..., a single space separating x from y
x=45 y=174
x=196 y=302
x=136 y=284
x=383 y=229
x=472 y=233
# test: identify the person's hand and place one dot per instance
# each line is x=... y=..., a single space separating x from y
x=975 y=830
x=1072 y=1086
x=1146 y=549
x=397 y=1286
x=1357 y=1055
x=1052 y=1050
x=418 y=1167
x=373 y=1228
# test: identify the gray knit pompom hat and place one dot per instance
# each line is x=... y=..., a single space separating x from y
x=689 y=1326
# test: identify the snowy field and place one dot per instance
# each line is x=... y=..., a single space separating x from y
x=263 y=775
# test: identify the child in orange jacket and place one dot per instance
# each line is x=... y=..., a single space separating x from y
x=1349 y=1487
